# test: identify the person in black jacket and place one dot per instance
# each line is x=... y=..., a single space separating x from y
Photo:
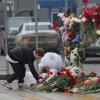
x=18 y=57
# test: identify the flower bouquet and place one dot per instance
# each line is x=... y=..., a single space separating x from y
x=91 y=22
x=89 y=83
x=71 y=38
x=46 y=84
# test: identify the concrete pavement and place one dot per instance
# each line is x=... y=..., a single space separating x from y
x=26 y=94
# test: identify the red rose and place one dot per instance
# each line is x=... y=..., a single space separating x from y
x=65 y=89
x=70 y=34
x=98 y=27
x=50 y=73
x=96 y=19
x=87 y=12
x=93 y=74
x=82 y=74
x=85 y=1
x=67 y=72
x=55 y=24
x=72 y=81
x=58 y=73
x=71 y=78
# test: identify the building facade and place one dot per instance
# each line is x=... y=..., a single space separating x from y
x=45 y=10
x=26 y=8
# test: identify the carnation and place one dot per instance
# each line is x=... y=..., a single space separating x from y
x=84 y=19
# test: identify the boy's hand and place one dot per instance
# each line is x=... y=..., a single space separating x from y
x=40 y=80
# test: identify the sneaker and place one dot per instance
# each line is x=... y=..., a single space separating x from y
x=7 y=85
x=20 y=85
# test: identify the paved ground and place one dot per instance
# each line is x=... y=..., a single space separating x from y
x=26 y=94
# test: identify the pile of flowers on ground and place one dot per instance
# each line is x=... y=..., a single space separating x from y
x=69 y=79
x=87 y=83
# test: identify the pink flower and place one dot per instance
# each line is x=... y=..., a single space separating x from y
x=43 y=75
x=99 y=79
x=66 y=22
x=84 y=19
x=95 y=79
x=82 y=74
x=63 y=73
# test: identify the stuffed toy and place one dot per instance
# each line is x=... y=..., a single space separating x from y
x=73 y=57
x=52 y=60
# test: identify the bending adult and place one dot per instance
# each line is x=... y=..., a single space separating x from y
x=18 y=57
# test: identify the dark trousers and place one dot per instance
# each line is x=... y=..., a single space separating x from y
x=19 y=72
